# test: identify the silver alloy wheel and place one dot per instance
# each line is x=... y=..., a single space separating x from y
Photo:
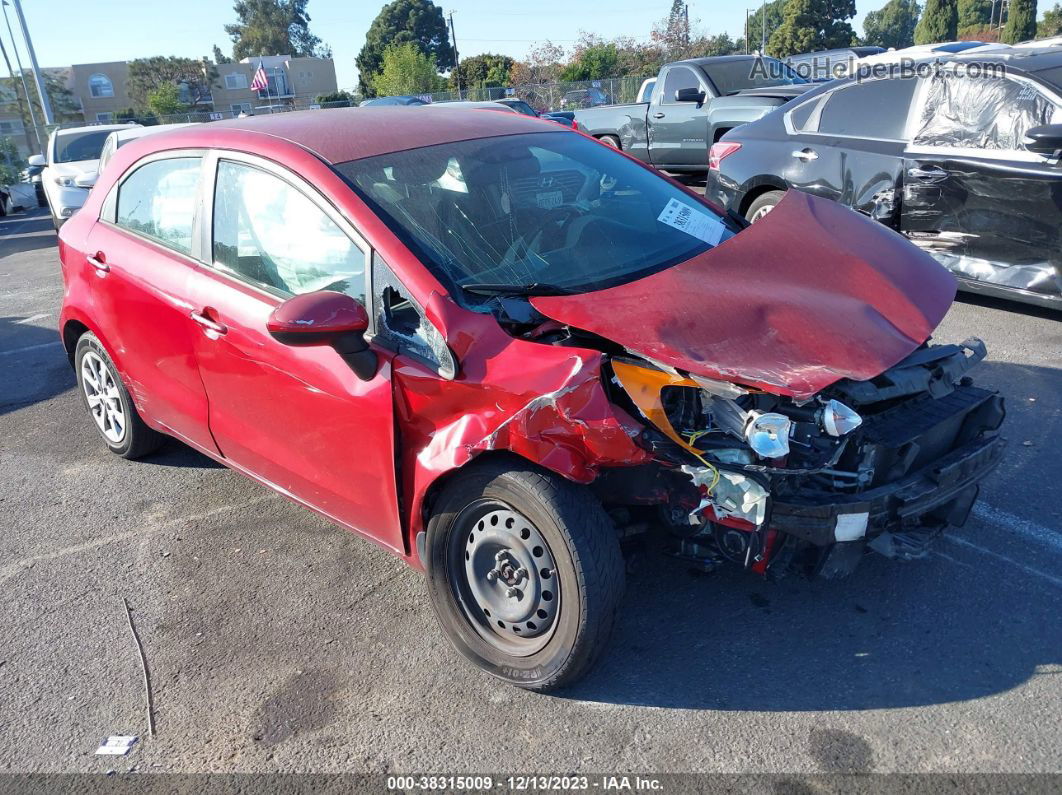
x=762 y=211
x=512 y=592
x=104 y=400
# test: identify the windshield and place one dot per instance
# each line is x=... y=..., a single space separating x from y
x=731 y=76
x=71 y=147
x=535 y=211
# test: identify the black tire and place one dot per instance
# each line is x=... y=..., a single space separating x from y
x=588 y=572
x=611 y=140
x=763 y=204
x=138 y=439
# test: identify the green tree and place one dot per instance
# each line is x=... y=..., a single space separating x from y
x=274 y=27
x=774 y=12
x=1021 y=21
x=892 y=25
x=939 y=22
x=482 y=71
x=64 y=106
x=812 y=25
x=593 y=63
x=149 y=74
x=1051 y=24
x=220 y=57
x=336 y=97
x=11 y=163
x=973 y=14
x=406 y=70
x=165 y=100
x=417 y=22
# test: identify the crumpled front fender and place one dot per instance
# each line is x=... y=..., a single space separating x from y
x=542 y=402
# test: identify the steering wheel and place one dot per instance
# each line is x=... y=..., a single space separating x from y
x=562 y=216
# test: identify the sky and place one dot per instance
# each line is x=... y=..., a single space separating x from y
x=86 y=31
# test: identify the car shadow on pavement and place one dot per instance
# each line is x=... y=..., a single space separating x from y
x=977 y=617
x=1005 y=305
x=35 y=362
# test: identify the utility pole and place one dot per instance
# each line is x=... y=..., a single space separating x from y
x=25 y=88
x=46 y=106
x=763 y=33
x=686 y=13
x=457 y=60
x=21 y=104
x=746 y=31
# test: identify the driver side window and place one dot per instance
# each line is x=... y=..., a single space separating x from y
x=272 y=235
x=678 y=77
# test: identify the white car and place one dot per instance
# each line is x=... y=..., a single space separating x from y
x=119 y=138
x=70 y=167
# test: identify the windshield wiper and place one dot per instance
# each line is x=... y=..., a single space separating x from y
x=535 y=288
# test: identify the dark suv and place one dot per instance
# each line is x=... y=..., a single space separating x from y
x=961 y=156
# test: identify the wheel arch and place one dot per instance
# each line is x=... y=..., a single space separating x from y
x=757 y=188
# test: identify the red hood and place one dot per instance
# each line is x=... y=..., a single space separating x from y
x=811 y=293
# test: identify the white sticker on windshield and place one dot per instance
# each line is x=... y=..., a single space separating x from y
x=692 y=222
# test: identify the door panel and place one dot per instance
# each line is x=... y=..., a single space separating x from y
x=297 y=417
x=678 y=131
x=144 y=297
x=987 y=219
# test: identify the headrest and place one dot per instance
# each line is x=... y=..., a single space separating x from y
x=426 y=167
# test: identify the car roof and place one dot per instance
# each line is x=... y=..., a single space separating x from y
x=489 y=104
x=64 y=131
x=130 y=133
x=337 y=135
x=1025 y=59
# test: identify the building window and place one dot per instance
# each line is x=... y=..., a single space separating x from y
x=235 y=81
x=240 y=107
x=101 y=86
x=11 y=127
x=105 y=118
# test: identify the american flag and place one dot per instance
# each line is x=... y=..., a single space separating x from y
x=260 y=81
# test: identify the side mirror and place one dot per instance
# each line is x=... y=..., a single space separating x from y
x=85 y=180
x=37 y=160
x=689 y=95
x=1045 y=140
x=326 y=318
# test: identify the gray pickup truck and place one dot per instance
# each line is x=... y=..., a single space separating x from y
x=692 y=104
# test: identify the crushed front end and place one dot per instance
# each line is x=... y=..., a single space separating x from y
x=776 y=483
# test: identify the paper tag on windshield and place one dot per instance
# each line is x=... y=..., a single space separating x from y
x=692 y=222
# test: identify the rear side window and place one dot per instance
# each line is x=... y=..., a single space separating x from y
x=269 y=233
x=983 y=113
x=158 y=200
x=876 y=109
x=678 y=77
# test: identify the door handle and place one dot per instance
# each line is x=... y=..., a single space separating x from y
x=208 y=324
x=931 y=174
x=97 y=262
x=658 y=115
x=806 y=154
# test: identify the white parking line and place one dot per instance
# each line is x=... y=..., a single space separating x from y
x=1057 y=581
x=11 y=569
x=31 y=348
x=27 y=320
x=1023 y=527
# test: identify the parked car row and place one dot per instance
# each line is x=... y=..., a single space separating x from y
x=506 y=353
x=962 y=159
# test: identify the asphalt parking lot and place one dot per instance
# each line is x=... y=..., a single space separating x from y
x=278 y=642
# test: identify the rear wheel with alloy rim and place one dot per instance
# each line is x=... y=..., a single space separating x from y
x=763 y=204
x=108 y=402
x=525 y=573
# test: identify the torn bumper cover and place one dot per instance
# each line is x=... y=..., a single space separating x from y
x=940 y=494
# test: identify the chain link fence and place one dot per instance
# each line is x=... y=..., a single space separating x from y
x=550 y=96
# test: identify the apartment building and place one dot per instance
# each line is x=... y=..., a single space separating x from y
x=100 y=90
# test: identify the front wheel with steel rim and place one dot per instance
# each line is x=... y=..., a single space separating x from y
x=524 y=571
x=108 y=402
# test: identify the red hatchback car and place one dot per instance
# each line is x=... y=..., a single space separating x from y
x=505 y=352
